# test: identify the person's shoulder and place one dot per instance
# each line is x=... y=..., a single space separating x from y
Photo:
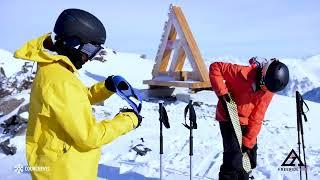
x=55 y=75
x=55 y=71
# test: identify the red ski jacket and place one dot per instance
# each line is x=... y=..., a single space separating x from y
x=252 y=105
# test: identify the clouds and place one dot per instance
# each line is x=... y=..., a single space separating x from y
x=238 y=28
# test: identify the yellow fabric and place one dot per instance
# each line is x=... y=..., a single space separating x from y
x=62 y=133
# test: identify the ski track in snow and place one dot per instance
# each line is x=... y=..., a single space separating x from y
x=277 y=137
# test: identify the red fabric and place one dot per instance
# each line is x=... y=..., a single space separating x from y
x=251 y=105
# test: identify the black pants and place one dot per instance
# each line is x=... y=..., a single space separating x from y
x=231 y=168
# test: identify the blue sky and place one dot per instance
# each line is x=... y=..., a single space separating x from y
x=273 y=28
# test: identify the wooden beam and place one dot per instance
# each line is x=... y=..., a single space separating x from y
x=178 y=59
x=181 y=60
x=167 y=52
x=187 y=84
x=176 y=73
x=162 y=46
x=173 y=44
x=195 y=52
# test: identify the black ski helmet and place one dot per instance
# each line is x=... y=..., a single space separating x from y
x=80 y=24
x=275 y=75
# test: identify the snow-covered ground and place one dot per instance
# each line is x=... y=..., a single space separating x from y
x=278 y=135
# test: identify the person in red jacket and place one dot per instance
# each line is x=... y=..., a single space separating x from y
x=252 y=88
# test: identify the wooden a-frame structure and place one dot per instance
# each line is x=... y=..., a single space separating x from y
x=178 y=37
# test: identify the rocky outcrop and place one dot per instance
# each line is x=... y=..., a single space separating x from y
x=18 y=82
x=9 y=105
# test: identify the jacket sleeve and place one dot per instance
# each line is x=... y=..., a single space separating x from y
x=255 y=121
x=98 y=93
x=220 y=72
x=70 y=107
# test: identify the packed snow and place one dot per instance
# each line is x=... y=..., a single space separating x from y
x=118 y=161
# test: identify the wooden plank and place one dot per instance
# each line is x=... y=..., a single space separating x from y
x=184 y=44
x=167 y=52
x=196 y=75
x=176 y=59
x=162 y=47
x=187 y=84
x=188 y=34
x=181 y=58
x=195 y=52
x=176 y=73
x=183 y=76
x=173 y=44
x=202 y=70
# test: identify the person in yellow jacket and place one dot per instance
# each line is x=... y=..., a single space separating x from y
x=63 y=136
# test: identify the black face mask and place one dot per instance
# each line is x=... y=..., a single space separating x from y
x=72 y=53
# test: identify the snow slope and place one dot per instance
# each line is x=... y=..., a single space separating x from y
x=278 y=135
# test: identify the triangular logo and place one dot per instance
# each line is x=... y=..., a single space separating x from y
x=291 y=158
x=177 y=45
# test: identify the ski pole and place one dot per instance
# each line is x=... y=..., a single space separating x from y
x=300 y=112
x=161 y=138
x=302 y=135
x=193 y=125
x=298 y=104
x=303 y=151
x=191 y=149
x=163 y=118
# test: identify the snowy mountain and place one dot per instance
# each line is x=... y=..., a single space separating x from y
x=304 y=75
x=15 y=75
x=119 y=161
x=10 y=64
x=313 y=95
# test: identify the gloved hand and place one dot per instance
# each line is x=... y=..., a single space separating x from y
x=109 y=84
x=131 y=110
x=245 y=149
x=224 y=99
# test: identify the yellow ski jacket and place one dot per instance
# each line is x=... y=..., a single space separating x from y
x=63 y=139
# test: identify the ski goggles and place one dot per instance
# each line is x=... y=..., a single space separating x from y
x=128 y=93
x=89 y=49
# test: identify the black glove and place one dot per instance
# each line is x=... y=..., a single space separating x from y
x=252 y=154
x=131 y=110
x=109 y=84
x=245 y=149
x=224 y=99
